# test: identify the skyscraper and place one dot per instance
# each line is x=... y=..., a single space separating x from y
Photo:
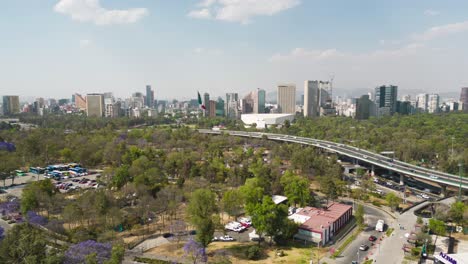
x=311 y=99
x=95 y=105
x=232 y=105
x=433 y=101
x=220 y=107
x=149 y=97
x=206 y=103
x=212 y=108
x=422 y=103
x=80 y=102
x=386 y=99
x=464 y=99
x=363 y=107
x=259 y=101
x=11 y=104
x=287 y=98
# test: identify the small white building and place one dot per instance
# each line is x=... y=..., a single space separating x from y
x=264 y=120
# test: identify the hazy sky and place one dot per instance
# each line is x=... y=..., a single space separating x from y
x=54 y=48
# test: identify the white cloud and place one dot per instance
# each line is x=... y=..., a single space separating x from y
x=202 y=13
x=241 y=10
x=430 y=12
x=92 y=11
x=441 y=31
x=85 y=43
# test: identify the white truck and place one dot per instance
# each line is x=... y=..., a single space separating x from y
x=380 y=225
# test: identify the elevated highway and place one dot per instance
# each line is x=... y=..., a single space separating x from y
x=441 y=178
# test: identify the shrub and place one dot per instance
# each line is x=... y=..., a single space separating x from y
x=253 y=253
x=416 y=251
x=376 y=203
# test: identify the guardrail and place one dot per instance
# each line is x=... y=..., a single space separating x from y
x=356 y=153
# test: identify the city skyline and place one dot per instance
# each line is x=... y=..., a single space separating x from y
x=91 y=46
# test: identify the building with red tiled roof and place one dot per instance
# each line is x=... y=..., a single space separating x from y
x=319 y=225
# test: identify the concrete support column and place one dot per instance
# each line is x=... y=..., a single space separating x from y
x=444 y=190
x=402 y=177
x=372 y=170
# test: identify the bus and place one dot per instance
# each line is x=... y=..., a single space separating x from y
x=73 y=165
x=36 y=170
x=20 y=173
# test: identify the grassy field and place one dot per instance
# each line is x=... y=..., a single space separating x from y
x=235 y=251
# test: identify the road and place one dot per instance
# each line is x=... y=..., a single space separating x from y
x=358 y=154
x=391 y=248
x=371 y=216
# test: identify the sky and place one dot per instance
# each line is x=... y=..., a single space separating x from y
x=54 y=48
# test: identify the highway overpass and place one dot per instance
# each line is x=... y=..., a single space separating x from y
x=441 y=178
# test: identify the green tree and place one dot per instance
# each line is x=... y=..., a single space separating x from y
x=296 y=189
x=457 y=211
x=23 y=244
x=437 y=227
x=200 y=209
x=329 y=187
x=271 y=219
x=232 y=202
x=393 y=201
x=37 y=194
x=117 y=255
x=359 y=215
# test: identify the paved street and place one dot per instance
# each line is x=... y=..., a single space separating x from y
x=393 y=253
x=371 y=216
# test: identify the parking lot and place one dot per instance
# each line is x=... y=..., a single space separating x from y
x=20 y=182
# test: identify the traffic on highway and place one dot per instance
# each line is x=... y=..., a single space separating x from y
x=382 y=161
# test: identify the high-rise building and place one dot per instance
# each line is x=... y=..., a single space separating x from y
x=138 y=100
x=287 y=98
x=259 y=101
x=464 y=99
x=404 y=108
x=11 y=105
x=212 y=108
x=80 y=102
x=317 y=99
x=311 y=98
x=364 y=107
x=433 y=101
x=149 y=97
x=206 y=103
x=220 y=107
x=386 y=100
x=95 y=105
x=422 y=103
x=232 y=105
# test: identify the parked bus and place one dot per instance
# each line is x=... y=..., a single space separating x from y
x=20 y=173
x=36 y=170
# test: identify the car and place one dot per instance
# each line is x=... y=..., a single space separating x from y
x=363 y=247
x=166 y=235
x=372 y=238
x=433 y=177
x=226 y=238
x=215 y=239
x=354 y=262
x=75 y=180
x=425 y=196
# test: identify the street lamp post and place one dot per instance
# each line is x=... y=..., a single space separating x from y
x=460 y=170
x=358 y=256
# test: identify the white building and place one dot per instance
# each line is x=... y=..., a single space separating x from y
x=265 y=120
x=433 y=101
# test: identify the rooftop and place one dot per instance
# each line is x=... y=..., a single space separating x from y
x=316 y=218
x=277 y=199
